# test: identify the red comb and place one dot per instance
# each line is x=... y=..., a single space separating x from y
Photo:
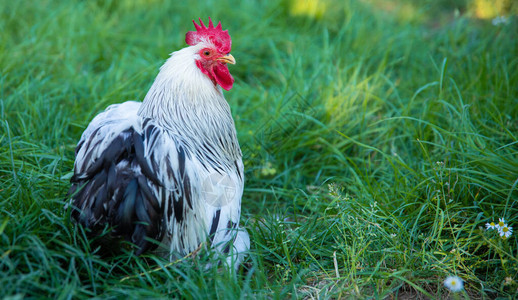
x=220 y=38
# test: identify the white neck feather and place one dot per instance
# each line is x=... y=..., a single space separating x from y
x=179 y=82
x=186 y=102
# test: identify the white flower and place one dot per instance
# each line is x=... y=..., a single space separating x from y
x=501 y=223
x=454 y=283
x=491 y=225
x=505 y=231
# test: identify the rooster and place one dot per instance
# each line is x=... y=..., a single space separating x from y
x=168 y=171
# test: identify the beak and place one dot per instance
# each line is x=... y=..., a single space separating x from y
x=227 y=59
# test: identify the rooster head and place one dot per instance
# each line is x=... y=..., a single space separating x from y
x=214 y=57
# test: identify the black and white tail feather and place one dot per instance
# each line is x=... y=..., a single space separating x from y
x=167 y=169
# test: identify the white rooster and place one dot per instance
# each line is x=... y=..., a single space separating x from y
x=168 y=169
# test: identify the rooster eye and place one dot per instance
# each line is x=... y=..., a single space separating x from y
x=206 y=53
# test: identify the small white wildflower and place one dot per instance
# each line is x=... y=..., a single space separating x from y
x=491 y=225
x=454 y=283
x=501 y=223
x=505 y=231
x=508 y=281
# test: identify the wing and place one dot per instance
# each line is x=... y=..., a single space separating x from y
x=140 y=179
x=111 y=181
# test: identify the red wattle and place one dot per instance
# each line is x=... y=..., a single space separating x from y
x=222 y=76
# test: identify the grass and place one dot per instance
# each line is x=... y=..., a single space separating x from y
x=378 y=137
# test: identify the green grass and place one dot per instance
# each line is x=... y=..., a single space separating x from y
x=378 y=137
